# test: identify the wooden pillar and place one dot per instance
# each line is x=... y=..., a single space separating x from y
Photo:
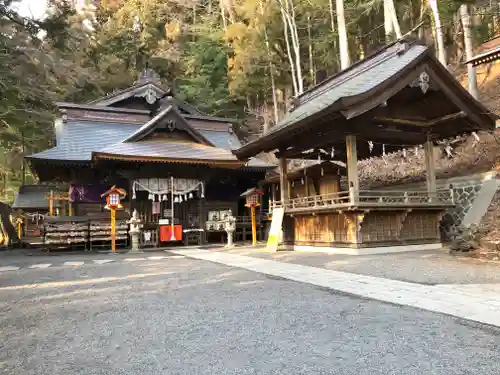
x=352 y=167
x=284 y=194
x=51 y=204
x=273 y=197
x=430 y=166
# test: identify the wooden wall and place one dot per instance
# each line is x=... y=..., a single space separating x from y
x=310 y=186
x=360 y=229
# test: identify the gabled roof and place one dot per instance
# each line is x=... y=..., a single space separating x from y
x=178 y=122
x=148 y=89
x=182 y=105
x=367 y=85
x=487 y=52
x=32 y=197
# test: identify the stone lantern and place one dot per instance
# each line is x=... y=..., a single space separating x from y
x=135 y=231
x=230 y=227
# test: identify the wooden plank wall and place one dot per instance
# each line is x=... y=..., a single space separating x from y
x=325 y=229
x=374 y=228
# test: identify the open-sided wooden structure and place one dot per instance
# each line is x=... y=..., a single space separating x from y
x=138 y=139
x=399 y=97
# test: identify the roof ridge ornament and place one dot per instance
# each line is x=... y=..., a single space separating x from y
x=148 y=75
x=403 y=47
x=422 y=81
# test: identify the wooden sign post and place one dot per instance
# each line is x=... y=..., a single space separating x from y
x=113 y=197
x=252 y=200
x=58 y=197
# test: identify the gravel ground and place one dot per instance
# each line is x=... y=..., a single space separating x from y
x=182 y=316
x=422 y=267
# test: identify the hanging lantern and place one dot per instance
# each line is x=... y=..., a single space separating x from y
x=113 y=197
x=150 y=197
x=191 y=195
x=180 y=198
x=164 y=197
x=322 y=172
x=176 y=200
x=302 y=180
x=185 y=197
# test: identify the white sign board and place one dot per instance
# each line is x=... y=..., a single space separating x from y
x=273 y=238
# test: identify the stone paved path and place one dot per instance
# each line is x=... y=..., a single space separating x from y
x=62 y=263
x=473 y=303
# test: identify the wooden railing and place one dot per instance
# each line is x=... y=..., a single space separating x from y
x=383 y=198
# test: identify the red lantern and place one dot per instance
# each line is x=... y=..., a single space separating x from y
x=252 y=197
x=113 y=197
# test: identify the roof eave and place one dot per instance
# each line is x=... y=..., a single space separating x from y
x=95 y=107
x=485 y=58
x=347 y=105
x=96 y=156
x=127 y=93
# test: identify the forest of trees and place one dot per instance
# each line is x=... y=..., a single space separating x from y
x=237 y=58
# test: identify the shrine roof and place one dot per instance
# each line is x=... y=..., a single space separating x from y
x=382 y=83
x=143 y=88
x=180 y=121
x=175 y=151
x=77 y=140
x=487 y=52
x=33 y=197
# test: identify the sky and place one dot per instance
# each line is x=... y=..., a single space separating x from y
x=31 y=8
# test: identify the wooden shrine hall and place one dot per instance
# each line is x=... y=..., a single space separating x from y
x=174 y=162
x=397 y=98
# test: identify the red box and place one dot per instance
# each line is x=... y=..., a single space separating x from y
x=166 y=232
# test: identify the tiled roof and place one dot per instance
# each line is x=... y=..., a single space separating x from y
x=487 y=52
x=169 y=150
x=32 y=197
x=78 y=139
x=361 y=77
x=364 y=86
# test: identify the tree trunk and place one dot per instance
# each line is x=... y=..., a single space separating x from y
x=438 y=32
x=423 y=8
x=223 y=15
x=295 y=42
x=288 y=50
x=394 y=17
x=332 y=21
x=388 y=24
x=23 y=179
x=271 y=69
x=343 y=46
x=312 y=72
x=471 y=70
